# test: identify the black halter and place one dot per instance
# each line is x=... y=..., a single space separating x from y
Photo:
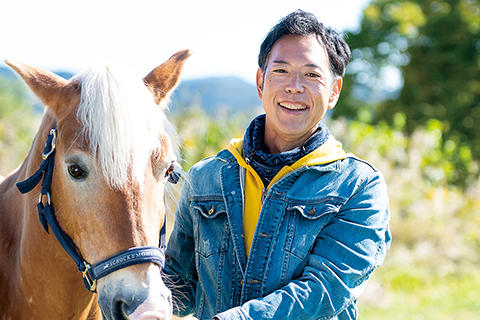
x=46 y=214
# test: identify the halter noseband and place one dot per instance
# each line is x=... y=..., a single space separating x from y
x=46 y=214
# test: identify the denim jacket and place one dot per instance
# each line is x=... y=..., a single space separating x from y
x=322 y=231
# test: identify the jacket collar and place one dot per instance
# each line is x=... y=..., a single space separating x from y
x=327 y=153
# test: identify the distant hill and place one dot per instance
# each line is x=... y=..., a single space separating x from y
x=210 y=94
x=7 y=73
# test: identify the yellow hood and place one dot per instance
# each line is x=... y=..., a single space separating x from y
x=329 y=152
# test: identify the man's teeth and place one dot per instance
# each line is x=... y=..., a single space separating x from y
x=293 y=107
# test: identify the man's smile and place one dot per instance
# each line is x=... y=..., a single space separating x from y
x=292 y=106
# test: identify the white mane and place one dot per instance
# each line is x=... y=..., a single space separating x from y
x=121 y=122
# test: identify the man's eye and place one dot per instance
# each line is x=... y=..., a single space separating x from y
x=313 y=75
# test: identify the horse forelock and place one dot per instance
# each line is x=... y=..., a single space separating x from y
x=121 y=123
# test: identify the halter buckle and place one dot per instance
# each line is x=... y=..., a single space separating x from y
x=53 y=133
x=87 y=278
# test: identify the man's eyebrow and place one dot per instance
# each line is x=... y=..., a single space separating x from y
x=281 y=62
x=310 y=65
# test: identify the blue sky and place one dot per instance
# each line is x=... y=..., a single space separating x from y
x=224 y=35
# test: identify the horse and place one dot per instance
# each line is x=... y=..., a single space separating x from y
x=112 y=149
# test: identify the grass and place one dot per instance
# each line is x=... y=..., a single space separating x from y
x=416 y=293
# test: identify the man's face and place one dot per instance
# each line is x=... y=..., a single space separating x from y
x=296 y=90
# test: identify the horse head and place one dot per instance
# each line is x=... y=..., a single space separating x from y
x=113 y=157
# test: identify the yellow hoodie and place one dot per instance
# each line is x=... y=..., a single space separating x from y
x=255 y=190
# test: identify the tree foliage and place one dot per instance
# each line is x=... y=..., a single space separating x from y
x=420 y=59
x=431 y=270
x=203 y=135
x=18 y=123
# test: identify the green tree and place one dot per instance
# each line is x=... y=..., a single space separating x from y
x=420 y=59
x=432 y=274
x=18 y=123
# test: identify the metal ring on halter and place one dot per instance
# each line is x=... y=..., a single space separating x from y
x=40 y=199
x=53 y=132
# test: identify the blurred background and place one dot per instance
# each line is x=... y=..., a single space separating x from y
x=410 y=105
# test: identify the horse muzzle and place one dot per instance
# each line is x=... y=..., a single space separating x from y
x=135 y=293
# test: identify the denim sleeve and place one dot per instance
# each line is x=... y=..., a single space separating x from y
x=346 y=252
x=180 y=273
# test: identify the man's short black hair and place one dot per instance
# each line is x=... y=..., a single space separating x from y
x=302 y=23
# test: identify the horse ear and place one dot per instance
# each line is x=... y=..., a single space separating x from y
x=166 y=76
x=49 y=87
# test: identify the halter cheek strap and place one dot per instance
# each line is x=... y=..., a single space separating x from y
x=46 y=214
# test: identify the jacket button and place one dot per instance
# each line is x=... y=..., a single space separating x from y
x=212 y=210
x=312 y=211
x=232 y=193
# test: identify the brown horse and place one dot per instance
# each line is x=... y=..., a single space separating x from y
x=114 y=155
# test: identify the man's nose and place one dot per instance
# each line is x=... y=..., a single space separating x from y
x=294 y=84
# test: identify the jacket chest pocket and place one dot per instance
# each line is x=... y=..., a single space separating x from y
x=211 y=228
x=306 y=223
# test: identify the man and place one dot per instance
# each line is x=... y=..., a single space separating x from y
x=282 y=224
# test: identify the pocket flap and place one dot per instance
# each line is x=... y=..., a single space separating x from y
x=209 y=209
x=317 y=210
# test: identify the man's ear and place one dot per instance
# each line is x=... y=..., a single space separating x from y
x=260 y=83
x=335 y=93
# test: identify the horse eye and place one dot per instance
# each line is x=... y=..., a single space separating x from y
x=172 y=175
x=76 y=171
x=169 y=170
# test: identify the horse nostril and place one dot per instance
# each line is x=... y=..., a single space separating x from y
x=120 y=310
x=135 y=299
